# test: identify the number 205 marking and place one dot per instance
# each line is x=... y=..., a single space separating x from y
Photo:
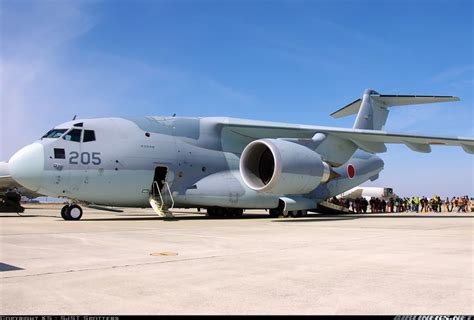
x=84 y=158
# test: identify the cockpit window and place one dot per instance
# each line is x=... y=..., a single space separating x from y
x=89 y=135
x=73 y=135
x=54 y=133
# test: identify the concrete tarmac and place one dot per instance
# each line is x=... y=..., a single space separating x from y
x=137 y=263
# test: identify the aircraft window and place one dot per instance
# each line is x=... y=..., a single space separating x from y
x=59 y=153
x=79 y=124
x=55 y=133
x=73 y=135
x=89 y=135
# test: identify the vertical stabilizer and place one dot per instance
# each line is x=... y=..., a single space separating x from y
x=372 y=110
x=372 y=114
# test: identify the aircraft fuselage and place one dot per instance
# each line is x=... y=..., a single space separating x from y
x=117 y=162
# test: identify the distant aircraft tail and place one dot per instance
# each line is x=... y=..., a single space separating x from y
x=372 y=110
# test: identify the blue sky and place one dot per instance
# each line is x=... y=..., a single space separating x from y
x=287 y=61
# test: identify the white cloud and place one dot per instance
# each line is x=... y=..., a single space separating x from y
x=32 y=35
x=46 y=78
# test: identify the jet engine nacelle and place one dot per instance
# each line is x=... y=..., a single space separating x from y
x=282 y=167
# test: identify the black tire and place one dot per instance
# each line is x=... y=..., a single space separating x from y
x=294 y=213
x=237 y=212
x=286 y=214
x=275 y=213
x=211 y=212
x=224 y=212
x=63 y=212
x=74 y=212
x=216 y=212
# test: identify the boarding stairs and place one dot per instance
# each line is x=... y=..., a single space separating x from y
x=161 y=200
x=331 y=208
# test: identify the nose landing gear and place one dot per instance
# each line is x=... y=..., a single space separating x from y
x=71 y=212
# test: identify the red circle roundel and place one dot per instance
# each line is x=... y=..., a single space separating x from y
x=351 y=171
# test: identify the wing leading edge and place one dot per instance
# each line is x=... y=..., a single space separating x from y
x=372 y=141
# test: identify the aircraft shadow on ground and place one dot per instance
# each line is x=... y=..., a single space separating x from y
x=309 y=218
x=178 y=218
x=336 y=217
x=14 y=215
x=318 y=219
x=378 y=216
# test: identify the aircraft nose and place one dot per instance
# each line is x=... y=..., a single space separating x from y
x=26 y=166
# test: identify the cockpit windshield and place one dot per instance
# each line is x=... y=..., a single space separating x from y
x=54 y=133
x=73 y=135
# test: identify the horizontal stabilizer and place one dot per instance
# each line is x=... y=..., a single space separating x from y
x=351 y=108
x=403 y=100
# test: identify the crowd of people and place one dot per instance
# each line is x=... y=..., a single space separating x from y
x=414 y=204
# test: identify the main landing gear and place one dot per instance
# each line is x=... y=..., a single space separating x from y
x=71 y=212
x=280 y=211
x=274 y=213
x=218 y=212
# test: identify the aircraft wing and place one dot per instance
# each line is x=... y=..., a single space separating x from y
x=374 y=140
x=237 y=133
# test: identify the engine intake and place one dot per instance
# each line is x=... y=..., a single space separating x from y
x=282 y=167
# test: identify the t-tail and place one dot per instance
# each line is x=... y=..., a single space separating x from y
x=372 y=110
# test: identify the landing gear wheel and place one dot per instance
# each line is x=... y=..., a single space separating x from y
x=63 y=212
x=274 y=213
x=286 y=214
x=279 y=211
x=211 y=212
x=237 y=213
x=74 y=212
x=294 y=213
x=216 y=212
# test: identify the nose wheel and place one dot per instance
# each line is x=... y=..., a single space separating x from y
x=71 y=212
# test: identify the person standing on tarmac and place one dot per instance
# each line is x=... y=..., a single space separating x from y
x=416 y=201
x=364 y=204
x=423 y=203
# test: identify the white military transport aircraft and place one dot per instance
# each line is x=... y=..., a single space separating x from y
x=225 y=165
